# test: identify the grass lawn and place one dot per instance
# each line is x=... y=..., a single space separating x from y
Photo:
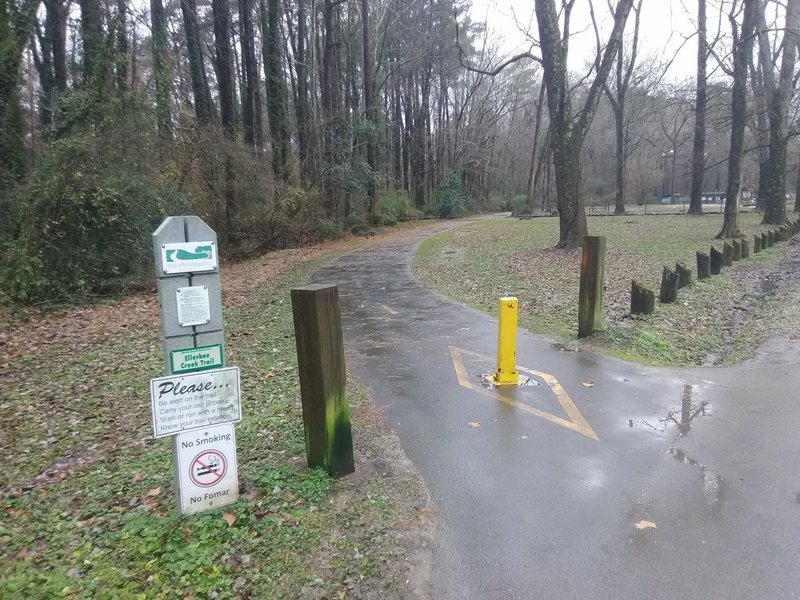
x=716 y=320
x=87 y=493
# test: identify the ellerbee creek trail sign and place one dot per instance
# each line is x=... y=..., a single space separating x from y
x=198 y=400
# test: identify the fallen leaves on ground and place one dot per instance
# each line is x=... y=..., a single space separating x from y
x=229 y=518
x=588 y=384
x=474 y=424
x=646 y=525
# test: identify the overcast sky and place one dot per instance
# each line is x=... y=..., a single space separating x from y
x=665 y=24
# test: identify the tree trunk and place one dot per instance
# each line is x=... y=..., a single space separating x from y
x=619 y=128
x=568 y=131
x=699 y=146
x=250 y=76
x=302 y=108
x=571 y=213
x=775 y=210
x=224 y=64
x=121 y=43
x=92 y=37
x=369 y=108
x=161 y=73
x=743 y=47
x=197 y=69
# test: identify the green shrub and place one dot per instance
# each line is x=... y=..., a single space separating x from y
x=394 y=206
x=450 y=197
x=85 y=215
x=328 y=229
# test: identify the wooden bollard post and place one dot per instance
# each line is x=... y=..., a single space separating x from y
x=783 y=231
x=669 y=286
x=745 y=249
x=323 y=393
x=684 y=274
x=756 y=243
x=727 y=254
x=590 y=297
x=764 y=240
x=716 y=261
x=703 y=265
x=643 y=301
x=771 y=238
x=737 y=250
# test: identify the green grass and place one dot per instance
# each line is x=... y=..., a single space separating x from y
x=720 y=319
x=88 y=499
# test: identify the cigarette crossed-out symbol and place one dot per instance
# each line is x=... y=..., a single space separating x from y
x=208 y=468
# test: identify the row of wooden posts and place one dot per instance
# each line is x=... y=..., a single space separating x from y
x=643 y=300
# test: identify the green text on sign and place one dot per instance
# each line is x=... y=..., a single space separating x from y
x=196 y=359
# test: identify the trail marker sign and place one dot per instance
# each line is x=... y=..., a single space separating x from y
x=188 y=257
x=201 y=358
x=206 y=466
x=199 y=395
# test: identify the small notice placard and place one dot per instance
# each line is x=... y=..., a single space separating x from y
x=207 y=470
x=188 y=257
x=182 y=402
x=200 y=358
x=193 y=306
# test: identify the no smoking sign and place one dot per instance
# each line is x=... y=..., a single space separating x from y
x=206 y=463
x=208 y=468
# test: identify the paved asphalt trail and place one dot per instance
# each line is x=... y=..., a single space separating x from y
x=529 y=508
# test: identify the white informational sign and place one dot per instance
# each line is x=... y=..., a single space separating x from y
x=188 y=257
x=181 y=402
x=207 y=469
x=193 y=305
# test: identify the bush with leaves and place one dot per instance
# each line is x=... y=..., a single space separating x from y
x=450 y=197
x=84 y=216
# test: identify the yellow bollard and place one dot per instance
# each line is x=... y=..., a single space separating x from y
x=506 y=373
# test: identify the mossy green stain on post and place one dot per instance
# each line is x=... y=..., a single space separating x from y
x=320 y=361
x=590 y=297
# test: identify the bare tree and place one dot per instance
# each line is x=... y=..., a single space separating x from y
x=617 y=94
x=701 y=100
x=779 y=94
x=742 y=56
x=567 y=128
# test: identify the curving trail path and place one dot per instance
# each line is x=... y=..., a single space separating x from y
x=538 y=490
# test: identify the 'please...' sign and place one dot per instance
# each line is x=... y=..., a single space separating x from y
x=182 y=402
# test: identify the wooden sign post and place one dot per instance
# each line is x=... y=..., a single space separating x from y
x=323 y=380
x=198 y=400
x=590 y=296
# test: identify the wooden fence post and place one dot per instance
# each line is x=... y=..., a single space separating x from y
x=756 y=243
x=703 y=265
x=716 y=261
x=737 y=250
x=323 y=393
x=643 y=301
x=684 y=274
x=669 y=286
x=590 y=298
x=745 y=248
x=727 y=254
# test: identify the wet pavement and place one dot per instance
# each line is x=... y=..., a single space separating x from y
x=538 y=490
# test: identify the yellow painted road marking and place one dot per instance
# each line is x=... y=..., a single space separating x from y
x=576 y=421
x=389 y=309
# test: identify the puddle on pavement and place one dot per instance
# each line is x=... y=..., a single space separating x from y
x=683 y=416
x=713 y=483
x=486 y=382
